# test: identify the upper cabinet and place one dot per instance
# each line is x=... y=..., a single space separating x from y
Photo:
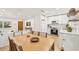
x=61 y=19
x=50 y=19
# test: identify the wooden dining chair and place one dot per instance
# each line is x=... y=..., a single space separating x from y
x=32 y=32
x=43 y=34
x=38 y=33
x=12 y=45
x=35 y=33
x=52 y=47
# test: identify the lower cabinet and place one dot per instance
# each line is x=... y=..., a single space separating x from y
x=70 y=42
x=3 y=41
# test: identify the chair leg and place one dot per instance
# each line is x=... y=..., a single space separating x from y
x=21 y=33
x=52 y=48
x=38 y=33
x=32 y=32
x=46 y=35
x=62 y=49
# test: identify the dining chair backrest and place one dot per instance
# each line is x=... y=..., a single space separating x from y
x=35 y=33
x=32 y=32
x=38 y=33
x=43 y=34
x=12 y=45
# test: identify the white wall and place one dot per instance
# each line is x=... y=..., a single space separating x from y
x=43 y=25
x=36 y=26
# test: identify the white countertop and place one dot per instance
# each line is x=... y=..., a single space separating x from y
x=72 y=33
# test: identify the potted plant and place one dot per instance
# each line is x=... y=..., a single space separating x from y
x=69 y=28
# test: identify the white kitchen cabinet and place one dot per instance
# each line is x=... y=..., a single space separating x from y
x=4 y=40
x=60 y=19
x=69 y=40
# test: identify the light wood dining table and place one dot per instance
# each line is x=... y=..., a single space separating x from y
x=44 y=44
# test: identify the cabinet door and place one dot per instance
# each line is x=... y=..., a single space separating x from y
x=3 y=40
x=66 y=42
x=70 y=42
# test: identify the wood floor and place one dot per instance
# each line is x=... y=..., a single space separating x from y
x=56 y=47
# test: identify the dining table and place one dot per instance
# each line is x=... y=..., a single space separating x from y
x=43 y=43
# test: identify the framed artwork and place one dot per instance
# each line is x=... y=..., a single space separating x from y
x=0 y=24
x=28 y=23
x=7 y=24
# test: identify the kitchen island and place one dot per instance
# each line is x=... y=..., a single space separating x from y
x=69 y=40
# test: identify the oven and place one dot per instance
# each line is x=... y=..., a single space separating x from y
x=54 y=31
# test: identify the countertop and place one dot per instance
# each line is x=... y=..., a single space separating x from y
x=71 y=33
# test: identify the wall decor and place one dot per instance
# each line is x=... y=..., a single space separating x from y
x=20 y=25
x=7 y=24
x=28 y=23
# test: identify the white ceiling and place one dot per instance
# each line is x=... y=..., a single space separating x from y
x=55 y=11
x=14 y=12
x=30 y=12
